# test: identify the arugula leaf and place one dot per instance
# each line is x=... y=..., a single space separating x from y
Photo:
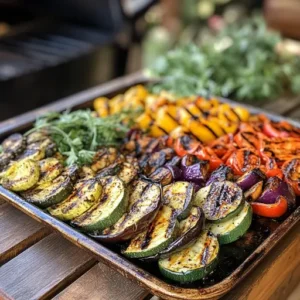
x=79 y=134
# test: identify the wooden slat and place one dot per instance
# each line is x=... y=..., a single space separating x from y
x=102 y=282
x=44 y=269
x=276 y=276
x=17 y=232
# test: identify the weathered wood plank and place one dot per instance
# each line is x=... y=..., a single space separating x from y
x=44 y=269
x=17 y=232
x=276 y=276
x=102 y=282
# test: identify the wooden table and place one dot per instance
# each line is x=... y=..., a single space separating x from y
x=37 y=263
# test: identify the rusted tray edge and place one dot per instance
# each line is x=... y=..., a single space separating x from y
x=109 y=257
x=146 y=280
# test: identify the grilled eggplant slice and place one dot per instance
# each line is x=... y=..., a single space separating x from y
x=86 y=193
x=194 y=262
x=50 y=192
x=254 y=192
x=162 y=175
x=14 y=144
x=221 y=200
x=159 y=234
x=189 y=230
x=144 y=202
x=21 y=175
x=108 y=210
x=50 y=169
x=33 y=154
x=232 y=229
x=5 y=159
x=179 y=195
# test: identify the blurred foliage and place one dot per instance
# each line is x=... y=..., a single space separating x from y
x=241 y=62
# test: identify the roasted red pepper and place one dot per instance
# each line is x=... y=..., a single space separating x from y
x=243 y=160
x=275 y=210
x=206 y=153
x=185 y=145
x=291 y=170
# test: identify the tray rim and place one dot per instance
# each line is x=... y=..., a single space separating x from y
x=110 y=258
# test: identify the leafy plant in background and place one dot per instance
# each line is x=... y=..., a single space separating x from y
x=242 y=63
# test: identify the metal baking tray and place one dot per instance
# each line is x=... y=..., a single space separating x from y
x=232 y=268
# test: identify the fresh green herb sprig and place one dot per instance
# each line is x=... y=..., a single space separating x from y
x=80 y=133
x=242 y=63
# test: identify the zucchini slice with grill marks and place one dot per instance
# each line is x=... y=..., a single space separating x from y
x=179 y=195
x=221 y=200
x=5 y=159
x=21 y=175
x=47 y=145
x=14 y=144
x=50 y=192
x=86 y=193
x=108 y=210
x=159 y=234
x=194 y=262
x=50 y=169
x=232 y=229
x=188 y=231
x=33 y=154
x=36 y=136
x=143 y=203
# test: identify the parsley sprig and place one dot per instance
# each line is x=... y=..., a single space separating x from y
x=80 y=133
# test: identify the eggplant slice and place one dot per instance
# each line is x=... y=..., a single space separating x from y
x=14 y=144
x=143 y=203
x=159 y=234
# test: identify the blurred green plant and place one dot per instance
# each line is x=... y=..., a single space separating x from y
x=241 y=63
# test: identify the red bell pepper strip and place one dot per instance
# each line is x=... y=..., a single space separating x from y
x=274 y=210
x=291 y=171
x=206 y=153
x=270 y=130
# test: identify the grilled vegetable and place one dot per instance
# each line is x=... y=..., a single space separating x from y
x=254 y=192
x=21 y=175
x=274 y=210
x=72 y=172
x=274 y=188
x=242 y=161
x=14 y=144
x=291 y=170
x=179 y=195
x=33 y=154
x=163 y=175
x=36 y=136
x=108 y=210
x=50 y=169
x=144 y=202
x=128 y=172
x=222 y=200
x=86 y=172
x=189 y=230
x=223 y=173
x=194 y=262
x=50 y=192
x=5 y=158
x=86 y=193
x=159 y=234
x=232 y=229
x=46 y=145
x=250 y=178
x=196 y=173
x=105 y=157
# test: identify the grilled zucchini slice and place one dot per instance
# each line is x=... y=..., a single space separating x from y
x=143 y=203
x=5 y=159
x=21 y=175
x=50 y=169
x=108 y=210
x=192 y=263
x=128 y=172
x=220 y=200
x=50 y=192
x=232 y=229
x=14 y=144
x=179 y=195
x=36 y=136
x=159 y=234
x=86 y=193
